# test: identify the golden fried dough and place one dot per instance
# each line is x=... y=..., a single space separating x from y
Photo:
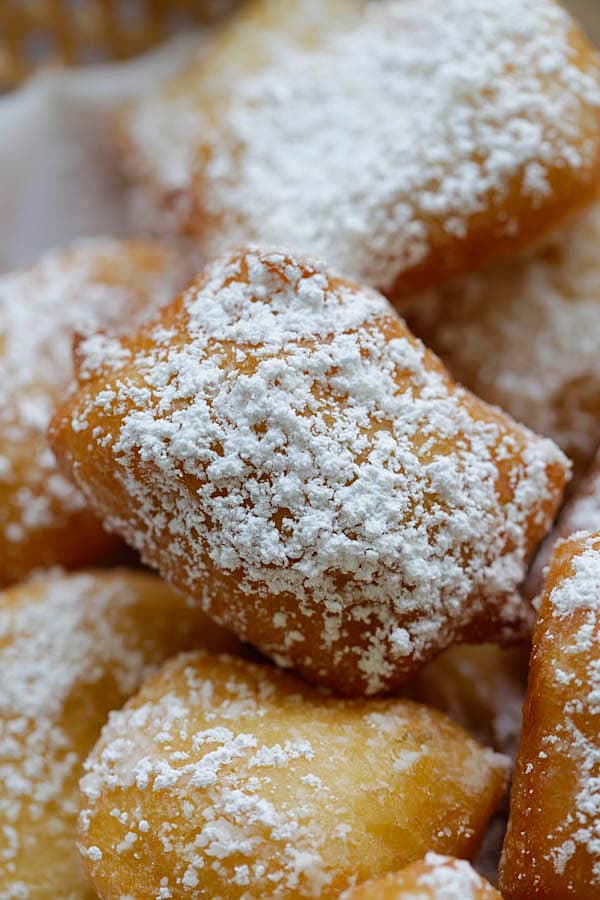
x=435 y=878
x=525 y=336
x=72 y=647
x=552 y=847
x=228 y=780
x=481 y=687
x=279 y=446
x=404 y=147
x=94 y=284
x=581 y=512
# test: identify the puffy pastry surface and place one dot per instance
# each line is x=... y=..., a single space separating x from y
x=224 y=780
x=481 y=687
x=72 y=647
x=552 y=847
x=279 y=445
x=98 y=283
x=434 y=878
x=438 y=143
x=581 y=512
x=525 y=336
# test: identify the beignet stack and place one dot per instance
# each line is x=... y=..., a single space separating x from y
x=307 y=476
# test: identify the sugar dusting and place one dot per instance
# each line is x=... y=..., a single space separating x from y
x=421 y=119
x=332 y=460
x=162 y=130
x=49 y=644
x=72 y=647
x=241 y=779
x=452 y=879
x=525 y=336
x=575 y=600
x=581 y=512
x=59 y=637
x=98 y=283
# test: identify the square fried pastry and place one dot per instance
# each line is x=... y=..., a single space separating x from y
x=72 y=648
x=233 y=780
x=434 y=878
x=281 y=448
x=98 y=283
x=552 y=846
x=401 y=146
x=525 y=336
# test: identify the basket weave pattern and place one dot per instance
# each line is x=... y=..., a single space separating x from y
x=35 y=33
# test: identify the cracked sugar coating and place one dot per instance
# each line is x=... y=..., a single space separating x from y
x=438 y=142
x=435 y=878
x=280 y=447
x=72 y=647
x=525 y=336
x=97 y=283
x=552 y=847
x=232 y=781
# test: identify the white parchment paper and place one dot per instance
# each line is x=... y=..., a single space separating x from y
x=58 y=177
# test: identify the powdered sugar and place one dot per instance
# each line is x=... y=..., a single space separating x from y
x=162 y=131
x=581 y=593
x=582 y=588
x=581 y=512
x=525 y=336
x=290 y=826
x=421 y=119
x=96 y=283
x=562 y=743
x=450 y=879
x=337 y=472
x=71 y=646
x=51 y=642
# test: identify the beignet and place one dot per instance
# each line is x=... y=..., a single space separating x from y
x=552 y=846
x=72 y=647
x=228 y=780
x=281 y=447
x=98 y=283
x=406 y=146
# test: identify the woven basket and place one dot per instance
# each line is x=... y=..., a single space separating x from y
x=36 y=33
